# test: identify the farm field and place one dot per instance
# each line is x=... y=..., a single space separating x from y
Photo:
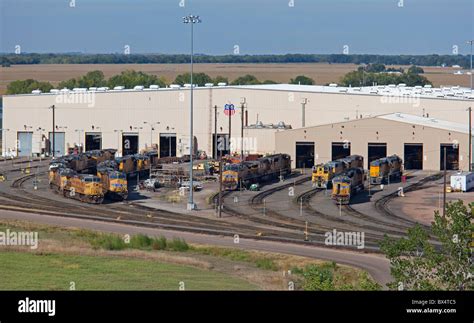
x=322 y=73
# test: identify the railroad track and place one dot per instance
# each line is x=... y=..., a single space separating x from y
x=136 y=215
x=274 y=218
x=306 y=196
x=382 y=204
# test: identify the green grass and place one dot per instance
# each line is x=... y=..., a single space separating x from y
x=329 y=276
x=27 y=271
x=261 y=262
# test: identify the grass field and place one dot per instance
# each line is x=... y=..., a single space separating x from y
x=322 y=73
x=27 y=271
x=99 y=261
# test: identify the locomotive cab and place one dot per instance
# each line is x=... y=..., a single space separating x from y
x=341 y=189
x=230 y=176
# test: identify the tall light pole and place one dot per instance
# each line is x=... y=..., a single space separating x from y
x=470 y=138
x=191 y=19
x=470 y=42
x=152 y=125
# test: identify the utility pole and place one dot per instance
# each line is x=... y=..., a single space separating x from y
x=54 y=129
x=242 y=102
x=470 y=138
x=444 y=184
x=219 y=206
x=215 y=132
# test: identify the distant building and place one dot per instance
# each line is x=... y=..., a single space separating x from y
x=419 y=141
x=101 y=118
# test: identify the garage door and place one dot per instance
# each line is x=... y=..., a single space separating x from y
x=129 y=143
x=59 y=142
x=340 y=150
x=25 y=143
x=413 y=156
x=376 y=151
x=304 y=154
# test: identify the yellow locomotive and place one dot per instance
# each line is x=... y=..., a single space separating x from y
x=85 y=188
x=114 y=183
x=345 y=185
x=385 y=169
x=324 y=173
x=257 y=171
x=58 y=177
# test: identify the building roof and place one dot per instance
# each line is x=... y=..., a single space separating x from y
x=408 y=119
x=454 y=92
x=400 y=90
x=426 y=122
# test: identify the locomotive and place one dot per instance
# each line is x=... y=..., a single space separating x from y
x=263 y=169
x=114 y=183
x=385 y=169
x=323 y=174
x=345 y=185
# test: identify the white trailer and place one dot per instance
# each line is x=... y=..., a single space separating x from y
x=462 y=181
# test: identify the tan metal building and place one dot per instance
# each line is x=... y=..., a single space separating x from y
x=115 y=118
x=419 y=141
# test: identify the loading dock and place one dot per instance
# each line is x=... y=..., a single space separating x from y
x=167 y=144
x=304 y=154
x=413 y=156
x=129 y=143
x=59 y=144
x=452 y=157
x=340 y=150
x=376 y=151
x=25 y=143
x=93 y=141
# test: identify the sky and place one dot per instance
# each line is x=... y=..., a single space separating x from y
x=238 y=26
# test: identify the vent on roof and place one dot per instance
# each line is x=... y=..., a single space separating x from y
x=120 y=87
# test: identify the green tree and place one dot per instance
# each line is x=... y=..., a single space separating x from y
x=26 y=86
x=415 y=70
x=303 y=80
x=220 y=79
x=419 y=264
x=131 y=78
x=269 y=82
x=372 y=68
x=198 y=78
x=246 y=80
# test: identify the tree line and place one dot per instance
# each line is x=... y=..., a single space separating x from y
x=7 y=59
x=131 y=78
x=368 y=75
